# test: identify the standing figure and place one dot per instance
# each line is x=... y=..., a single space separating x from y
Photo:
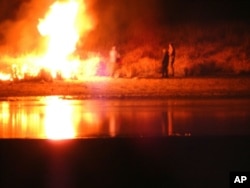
x=171 y=53
x=165 y=64
x=114 y=57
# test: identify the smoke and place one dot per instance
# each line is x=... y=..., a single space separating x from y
x=18 y=31
x=118 y=22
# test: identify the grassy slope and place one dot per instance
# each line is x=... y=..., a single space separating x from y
x=202 y=49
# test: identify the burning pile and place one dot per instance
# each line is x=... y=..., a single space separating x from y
x=59 y=31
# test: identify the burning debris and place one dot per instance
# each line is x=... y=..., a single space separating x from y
x=54 y=57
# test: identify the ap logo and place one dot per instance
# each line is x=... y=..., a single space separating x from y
x=239 y=179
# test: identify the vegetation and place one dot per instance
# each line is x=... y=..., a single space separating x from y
x=201 y=49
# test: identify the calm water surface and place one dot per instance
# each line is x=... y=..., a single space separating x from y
x=56 y=118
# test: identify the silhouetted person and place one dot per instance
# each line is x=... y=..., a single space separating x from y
x=171 y=53
x=114 y=58
x=165 y=64
x=14 y=73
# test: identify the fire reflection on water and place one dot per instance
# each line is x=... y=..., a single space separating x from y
x=5 y=114
x=54 y=117
x=58 y=120
x=18 y=120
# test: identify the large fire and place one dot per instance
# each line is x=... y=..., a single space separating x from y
x=60 y=30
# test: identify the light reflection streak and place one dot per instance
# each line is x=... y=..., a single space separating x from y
x=59 y=119
x=89 y=118
x=19 y=120
x=4 y=116
x=112 y=126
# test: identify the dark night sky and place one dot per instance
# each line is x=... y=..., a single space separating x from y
x=205 y=10
x=173 y=11
x=170 y=10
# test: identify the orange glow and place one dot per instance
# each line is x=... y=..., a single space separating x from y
x=4 y=76
x=60 y=31
x=89 y=67
x=4 y=115
x=61 y=28
x=59 y=119
x=17 y=123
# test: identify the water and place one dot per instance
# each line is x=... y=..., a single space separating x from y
x=126 y=143
x=56 y=117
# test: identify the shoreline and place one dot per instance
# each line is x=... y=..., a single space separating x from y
x=123 y=88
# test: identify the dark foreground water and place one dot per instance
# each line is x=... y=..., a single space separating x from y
x=122 y=143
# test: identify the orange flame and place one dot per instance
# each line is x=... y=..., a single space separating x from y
x=60 y=29
x=4 y=76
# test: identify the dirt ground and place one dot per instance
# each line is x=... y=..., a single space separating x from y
x=105 y=87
